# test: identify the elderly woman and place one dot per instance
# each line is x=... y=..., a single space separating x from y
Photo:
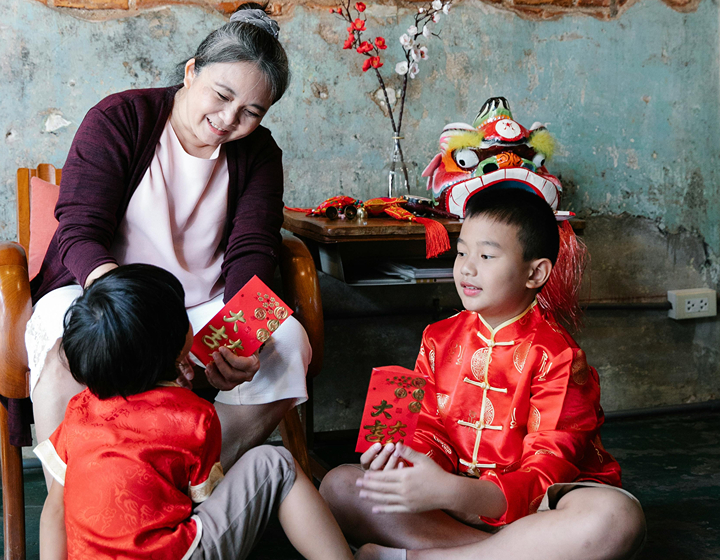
x=184 y=178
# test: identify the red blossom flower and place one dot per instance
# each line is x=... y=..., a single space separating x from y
x=380 y=43
x=364 y=47
x=357 y=25
x=367 y=64
x=348 y=44
x=360 y=7
x=375 y=61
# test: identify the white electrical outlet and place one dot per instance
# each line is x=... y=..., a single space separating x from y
x=692 y=304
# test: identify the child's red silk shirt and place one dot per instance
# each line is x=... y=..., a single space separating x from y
x=517 y=405
x=132 y=470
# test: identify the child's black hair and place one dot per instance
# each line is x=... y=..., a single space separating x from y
x=537 y=228
x=125 y=333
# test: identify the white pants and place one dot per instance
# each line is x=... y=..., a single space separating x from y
x=283 y=361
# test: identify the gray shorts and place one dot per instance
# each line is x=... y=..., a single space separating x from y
x=237 y=512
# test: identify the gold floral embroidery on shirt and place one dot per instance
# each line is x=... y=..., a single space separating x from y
x=520 y=354
x=479 y=362
x=489 y=412
x=431 y=358
x=545 y=366
x=422 y=350
x=580 y=368
x=545 y=452
x=455 y=354
x=534 y=420
x=445 y=447
x=513 y=421
x=598 y=453
x=443 y=401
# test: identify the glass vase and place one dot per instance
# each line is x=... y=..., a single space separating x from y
x=400 y=174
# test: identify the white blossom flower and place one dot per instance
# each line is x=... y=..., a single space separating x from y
x=423 y=53
x=401 y=68
x=415 y=53
x=421 y=10
x=413 y=70
x=446 y=8
x=436 y=16
x=406 y=41
x=427 y=30
x=437 y=5
x=412 y=31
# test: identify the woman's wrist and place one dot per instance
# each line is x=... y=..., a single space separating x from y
x=98 y=272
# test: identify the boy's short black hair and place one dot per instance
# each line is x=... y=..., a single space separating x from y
x=537 y=228
x=125 y=333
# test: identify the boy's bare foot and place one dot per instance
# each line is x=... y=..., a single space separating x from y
x=376 y=552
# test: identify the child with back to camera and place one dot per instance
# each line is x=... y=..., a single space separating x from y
x=136 y=461
x=509 y=425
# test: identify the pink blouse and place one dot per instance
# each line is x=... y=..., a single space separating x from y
x=176 y=218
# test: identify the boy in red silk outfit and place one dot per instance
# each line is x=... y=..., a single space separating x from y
x=136 y=461
x=511 y=405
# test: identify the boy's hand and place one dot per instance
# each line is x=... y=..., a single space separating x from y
x=379 y=458
x=187 y=373
x=413 y=489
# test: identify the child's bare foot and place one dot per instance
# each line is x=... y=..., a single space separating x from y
x=376 y=552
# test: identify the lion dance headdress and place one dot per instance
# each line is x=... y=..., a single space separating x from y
x=498 y=152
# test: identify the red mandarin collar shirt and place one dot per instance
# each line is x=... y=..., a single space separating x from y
x=517 y=405
x=132 y=469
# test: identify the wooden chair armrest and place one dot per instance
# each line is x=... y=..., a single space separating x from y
x=15 y=310
x=302 y=292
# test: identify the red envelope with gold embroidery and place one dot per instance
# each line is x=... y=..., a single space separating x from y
x=244 y=324
x=392 y=407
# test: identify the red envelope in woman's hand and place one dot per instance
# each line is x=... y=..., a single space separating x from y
x=244 y=324
x=392 y=407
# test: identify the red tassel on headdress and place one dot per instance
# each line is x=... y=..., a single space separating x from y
x=561 y=293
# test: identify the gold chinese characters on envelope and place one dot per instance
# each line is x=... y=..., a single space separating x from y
x=244 y=324
x=392 y=407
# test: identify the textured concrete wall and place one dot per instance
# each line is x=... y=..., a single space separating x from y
x=633 y=101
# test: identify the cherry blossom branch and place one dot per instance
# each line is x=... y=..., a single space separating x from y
x=425 y=19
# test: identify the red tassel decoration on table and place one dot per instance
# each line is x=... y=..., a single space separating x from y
x=436 y=237
x=437 y=240
x=561 y=293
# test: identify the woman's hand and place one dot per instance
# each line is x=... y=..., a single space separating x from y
x=227 y=370
x=421 y=487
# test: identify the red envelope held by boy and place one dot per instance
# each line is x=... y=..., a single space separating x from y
x=244 y=324
x=392 y=407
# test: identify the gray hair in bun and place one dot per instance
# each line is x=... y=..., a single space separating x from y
x=250 y=36
x=259 y=18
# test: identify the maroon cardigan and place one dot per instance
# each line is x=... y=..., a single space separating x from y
x=109 y=156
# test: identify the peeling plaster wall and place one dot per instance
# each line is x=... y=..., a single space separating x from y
x=633 y=102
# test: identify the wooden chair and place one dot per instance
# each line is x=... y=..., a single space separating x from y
x=301 y=292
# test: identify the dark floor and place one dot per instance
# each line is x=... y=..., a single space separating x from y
x=671 y=463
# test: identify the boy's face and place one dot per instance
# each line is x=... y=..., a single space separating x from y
x=490 y=274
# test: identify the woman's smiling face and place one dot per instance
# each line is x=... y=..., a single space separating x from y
x=223 y=102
